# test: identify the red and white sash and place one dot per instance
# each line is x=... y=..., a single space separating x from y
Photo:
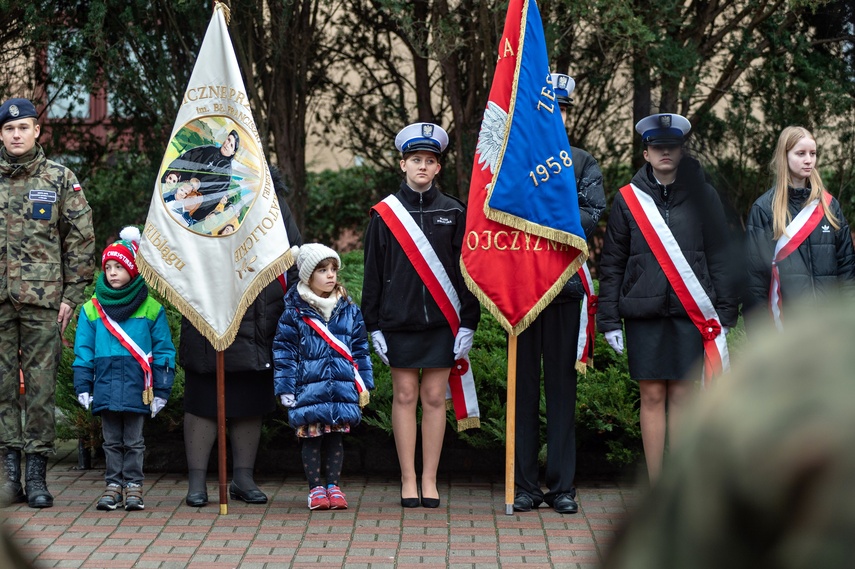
x=800 y=227
x=587 y=323
x=682 y=278
x=461 y=381
x=144 y=359
x=340 y=347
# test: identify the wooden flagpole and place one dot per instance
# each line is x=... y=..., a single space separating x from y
x=510 y=424
x=221 y=432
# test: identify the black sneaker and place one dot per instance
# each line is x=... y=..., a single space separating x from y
x=133 y=497
x=110 y=499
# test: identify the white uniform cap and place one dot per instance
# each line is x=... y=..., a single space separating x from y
x=663 y=129
x=422 y=136
x=563 y=85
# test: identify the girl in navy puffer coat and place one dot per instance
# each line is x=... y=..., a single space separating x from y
x=322 y=369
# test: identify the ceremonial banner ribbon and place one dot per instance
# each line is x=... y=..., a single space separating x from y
x=587 y=323
x=682 y=279
x=800 y=228
x=415 y=244
x=142 y=358
x=342 y=349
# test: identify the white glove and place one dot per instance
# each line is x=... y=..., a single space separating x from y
x=288 y=399
x=379 y=342
x=157 y=404
x=85 y=399
x=463 y=343
x=615 y=340
x=725 y=330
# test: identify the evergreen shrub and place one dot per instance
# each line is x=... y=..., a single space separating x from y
x=606 y=414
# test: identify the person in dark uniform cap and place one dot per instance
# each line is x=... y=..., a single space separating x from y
x=49 y=257
x=552 y=338
x=663 y=343
x=409 y=331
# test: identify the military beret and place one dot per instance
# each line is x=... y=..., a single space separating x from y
x=15 y=109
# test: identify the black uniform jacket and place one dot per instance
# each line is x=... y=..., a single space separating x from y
x=394 y=297
x=632 y=283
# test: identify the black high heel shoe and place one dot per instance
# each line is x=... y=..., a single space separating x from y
x=430 y=502
x=408 y=502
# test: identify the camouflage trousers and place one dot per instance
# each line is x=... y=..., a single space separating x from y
x=29 y=341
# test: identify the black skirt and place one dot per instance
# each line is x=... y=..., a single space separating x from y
x=248 y=393
x=663 y=348
x=433 y=348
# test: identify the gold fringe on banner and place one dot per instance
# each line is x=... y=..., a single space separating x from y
x=525 y=322
x=364 y=399
x=468 y=423
x=536 y=229
x=463 y=424
x=220 y=343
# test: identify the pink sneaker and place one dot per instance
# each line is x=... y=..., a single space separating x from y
x=318 y=499
x=336 y=496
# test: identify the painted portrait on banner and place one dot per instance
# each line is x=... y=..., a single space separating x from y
x=211 y=174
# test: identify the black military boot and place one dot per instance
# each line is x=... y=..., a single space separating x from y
x=37 y=492
x=11 y=491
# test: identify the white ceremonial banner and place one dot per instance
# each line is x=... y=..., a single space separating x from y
x=214 y=236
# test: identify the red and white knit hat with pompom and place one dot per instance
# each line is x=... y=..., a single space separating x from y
x=124 y=251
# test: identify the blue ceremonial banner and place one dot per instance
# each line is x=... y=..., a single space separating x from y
x=523 y=214
x=534 y=185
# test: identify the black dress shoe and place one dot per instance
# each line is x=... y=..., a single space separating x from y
x=197 y=499
x=565 y=504
x=525 y=502
x=430 y=502
x=249 y=496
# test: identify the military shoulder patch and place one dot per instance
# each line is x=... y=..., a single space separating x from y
x=42 y=210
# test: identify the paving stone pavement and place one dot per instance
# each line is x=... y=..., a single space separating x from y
x=469 y=530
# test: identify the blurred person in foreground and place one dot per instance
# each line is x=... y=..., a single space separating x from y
x=763 y=475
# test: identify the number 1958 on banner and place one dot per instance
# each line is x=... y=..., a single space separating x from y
x=542 y=171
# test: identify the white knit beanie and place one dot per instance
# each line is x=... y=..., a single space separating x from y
x=308 y=256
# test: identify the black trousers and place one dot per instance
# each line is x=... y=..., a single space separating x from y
x=551 y=338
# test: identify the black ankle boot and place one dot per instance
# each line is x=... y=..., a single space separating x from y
x=11 y=491
x=37 y=492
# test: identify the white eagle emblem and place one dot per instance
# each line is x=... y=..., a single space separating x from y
x=492 y=136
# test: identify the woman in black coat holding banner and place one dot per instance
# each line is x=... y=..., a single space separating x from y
x=248 y=384
x=664 y=345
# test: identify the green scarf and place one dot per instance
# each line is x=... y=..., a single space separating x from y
x=120 y=303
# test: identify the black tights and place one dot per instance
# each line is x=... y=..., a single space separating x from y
x=200 y=433
x=331 y=447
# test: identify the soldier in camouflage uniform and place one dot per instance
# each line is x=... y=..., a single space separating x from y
x=47 y=248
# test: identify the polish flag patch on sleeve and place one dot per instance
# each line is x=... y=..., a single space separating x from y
x=76 y=187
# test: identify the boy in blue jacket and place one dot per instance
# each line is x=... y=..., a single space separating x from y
x=124 y=367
